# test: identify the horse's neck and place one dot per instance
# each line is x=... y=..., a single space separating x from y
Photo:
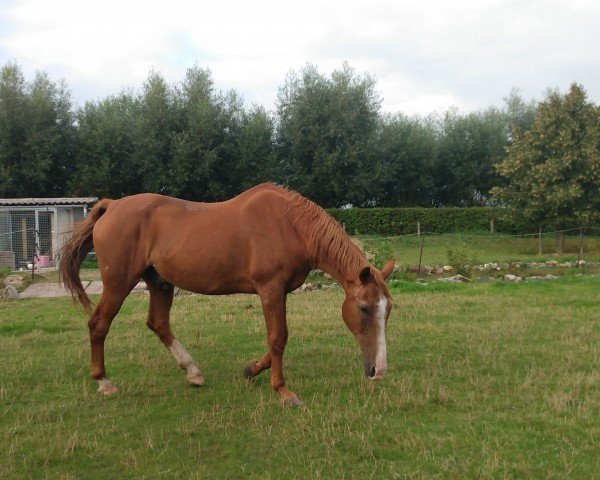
x=343 y=275
x=336 y=254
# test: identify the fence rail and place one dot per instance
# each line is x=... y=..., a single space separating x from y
x=478 y=235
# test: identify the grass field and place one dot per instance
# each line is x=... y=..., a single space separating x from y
x=482 y=248
x=485 y=381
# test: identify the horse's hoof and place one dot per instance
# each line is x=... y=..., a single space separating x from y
x=292 y=402
x=196 y=380
x=249 y=369
x=107 y=388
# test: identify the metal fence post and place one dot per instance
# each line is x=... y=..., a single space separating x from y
x=580 y=245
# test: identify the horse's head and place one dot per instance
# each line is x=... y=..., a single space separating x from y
x=365 y=311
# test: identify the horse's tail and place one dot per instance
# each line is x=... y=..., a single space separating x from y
x=74 y=251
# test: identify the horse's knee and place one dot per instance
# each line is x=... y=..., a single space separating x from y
x=92 y=322
x=150 y=324
x=161 y=329
x=100 y=322
x=94 y=319
x=98 y=333
x=277 y=342
x=98 y=328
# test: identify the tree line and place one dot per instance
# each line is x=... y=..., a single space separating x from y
x=328 y=138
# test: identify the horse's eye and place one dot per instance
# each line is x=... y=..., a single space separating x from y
x=364 y=310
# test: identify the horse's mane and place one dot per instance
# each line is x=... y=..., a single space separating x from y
x=325 y=240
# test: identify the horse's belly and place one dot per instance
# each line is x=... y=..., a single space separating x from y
x=215 y=286
x=206 y=278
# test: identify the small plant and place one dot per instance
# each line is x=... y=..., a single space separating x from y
x=460 y=262
x=90 y=263
x=403 y=275
x=378 y=252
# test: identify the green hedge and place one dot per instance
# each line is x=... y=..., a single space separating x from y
x=403 y=221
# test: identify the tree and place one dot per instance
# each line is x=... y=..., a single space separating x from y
x=36 y=135
x=51 y=141
x=406 y=150
x=326 y=135
x=206 y=149
x=13 y=131
x=194 y=149
x=158 y=122
x=553 y=169
x=520 y=113
x=107 y=140
x=469 y=147
x=258 y=161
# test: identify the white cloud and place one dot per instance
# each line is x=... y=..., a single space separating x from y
x=426 y=55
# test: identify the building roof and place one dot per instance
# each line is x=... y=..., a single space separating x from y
x=32 y=202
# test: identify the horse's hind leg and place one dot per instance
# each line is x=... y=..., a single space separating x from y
x=161 y=299
x=99 y=324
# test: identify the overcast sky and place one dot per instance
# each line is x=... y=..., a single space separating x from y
x=426 y=55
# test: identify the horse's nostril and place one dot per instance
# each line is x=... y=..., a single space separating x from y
x=372 y=372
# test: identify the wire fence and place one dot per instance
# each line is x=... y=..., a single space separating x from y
x=432 y=248
x=481 y=235
x=27 y=238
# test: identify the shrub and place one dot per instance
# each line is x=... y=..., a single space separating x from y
x=403 y=221
x=380 y=251
x=90 y=263
x=461 y=262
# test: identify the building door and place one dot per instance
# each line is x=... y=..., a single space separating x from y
x=31 y=233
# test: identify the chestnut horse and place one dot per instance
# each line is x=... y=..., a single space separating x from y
x=264 y=241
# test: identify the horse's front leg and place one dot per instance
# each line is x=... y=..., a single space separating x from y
x=254 y=367
x=274 y=310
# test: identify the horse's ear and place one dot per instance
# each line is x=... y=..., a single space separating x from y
x=365 y=275
x=388 y=268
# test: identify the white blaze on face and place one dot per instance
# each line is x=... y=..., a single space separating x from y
x=381 y=357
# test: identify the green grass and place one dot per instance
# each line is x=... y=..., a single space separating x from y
x=51 y=276
x=485 y=381
x=484 y=248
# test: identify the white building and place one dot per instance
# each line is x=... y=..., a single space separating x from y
x=34 y=229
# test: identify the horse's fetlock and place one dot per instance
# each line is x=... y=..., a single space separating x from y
x=97 y=373
x=277 y=385
x=185 y=363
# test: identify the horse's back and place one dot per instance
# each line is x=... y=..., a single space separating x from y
x=207 y=247
x=151 y=214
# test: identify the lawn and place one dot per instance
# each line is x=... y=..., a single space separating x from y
x=490 y=380
x=481 y=248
